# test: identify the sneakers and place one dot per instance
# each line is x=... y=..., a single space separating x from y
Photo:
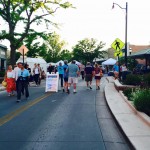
x=90 y=88
x=63 y=90
x=68 y=91
x=74 y=92
x=18 y=100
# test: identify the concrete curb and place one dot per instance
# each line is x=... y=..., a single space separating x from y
x=141 y=115
x=136 y=129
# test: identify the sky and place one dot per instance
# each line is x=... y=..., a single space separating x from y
x=96 y=19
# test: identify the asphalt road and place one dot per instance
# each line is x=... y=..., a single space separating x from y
x=59 y=121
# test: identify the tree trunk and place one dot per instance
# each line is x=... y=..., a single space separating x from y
x=13 y=55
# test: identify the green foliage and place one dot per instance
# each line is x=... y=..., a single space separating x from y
x=54 y=46
x=128 y=92
x=141 y=100
x=131 y=62
x=88 y=49
x=132 y=79
x=2 y=73
x=146 y=79
x=25 y=13
x=65 y=55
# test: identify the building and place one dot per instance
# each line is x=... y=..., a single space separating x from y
x=3 y=57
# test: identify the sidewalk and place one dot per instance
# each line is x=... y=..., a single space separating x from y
x=135 y=129
x=2 y=88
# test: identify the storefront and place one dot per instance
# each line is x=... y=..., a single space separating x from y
x=3 y=57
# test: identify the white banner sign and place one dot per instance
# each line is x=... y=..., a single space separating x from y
x=52 y=82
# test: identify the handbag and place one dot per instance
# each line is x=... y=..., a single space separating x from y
x=101 y=74
x=4 y=83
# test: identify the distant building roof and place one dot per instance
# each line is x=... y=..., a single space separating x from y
x=136 y=48
x=141 y=53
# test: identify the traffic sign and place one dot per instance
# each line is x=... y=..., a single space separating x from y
x=23 y=50
x=118 y=53
x=117 y=44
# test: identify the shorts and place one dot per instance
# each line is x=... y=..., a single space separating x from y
x=73 y=80
x=88 y=77
x=65 y=79
x=97 y=77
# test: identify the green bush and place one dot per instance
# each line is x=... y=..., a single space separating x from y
x=2 y=73
x=128 y=92
x=132 y=79
x=146 y=79
x=141 y=100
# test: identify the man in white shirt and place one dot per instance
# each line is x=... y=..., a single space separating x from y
x=16 y=70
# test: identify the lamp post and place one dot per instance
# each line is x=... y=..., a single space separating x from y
x=126 y=23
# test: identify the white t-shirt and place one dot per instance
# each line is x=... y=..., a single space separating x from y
x=16 y=70
x=10 y=74
x=36 y=70
x=124 y=68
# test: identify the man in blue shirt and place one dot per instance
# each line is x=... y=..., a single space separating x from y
x=65 y=66
x=73 y=72
x=23 y=76
x=61 y=73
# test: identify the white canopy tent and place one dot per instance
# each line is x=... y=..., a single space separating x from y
x=109 y=61
x=32 y=61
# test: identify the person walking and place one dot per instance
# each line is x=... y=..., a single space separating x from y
x=73 y=72
x=9 y=78
x=23 y=76
x=89 y=75
x=16 y=70
x=65 y=66
x=116 y=70
x=98 y=74
x=40 y=74
x=50 y=69
x=61 y=73
x=82 y=67
x=36 y=72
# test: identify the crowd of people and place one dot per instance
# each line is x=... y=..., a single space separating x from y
x=19 y=78
x=69 y=73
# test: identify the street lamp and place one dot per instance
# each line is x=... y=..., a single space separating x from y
x=126 y=22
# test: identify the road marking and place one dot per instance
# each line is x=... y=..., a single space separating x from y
x=15 y=113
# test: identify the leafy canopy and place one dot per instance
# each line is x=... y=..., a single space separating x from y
x=87 y=50
x=20 y=15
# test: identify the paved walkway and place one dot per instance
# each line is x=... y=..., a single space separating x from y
x=79 y=121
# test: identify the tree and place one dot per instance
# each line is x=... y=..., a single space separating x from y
x=132 y=63
x=35 y=47
x=87 y=50
x=25 y=13
x=65 y=55
x=54 y=47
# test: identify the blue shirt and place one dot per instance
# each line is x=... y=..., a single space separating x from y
x=23 y=73
x=60 y=70
x=116 y=68
x=65 y=71
x=73 y=69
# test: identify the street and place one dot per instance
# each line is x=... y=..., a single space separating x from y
x=58 y=121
